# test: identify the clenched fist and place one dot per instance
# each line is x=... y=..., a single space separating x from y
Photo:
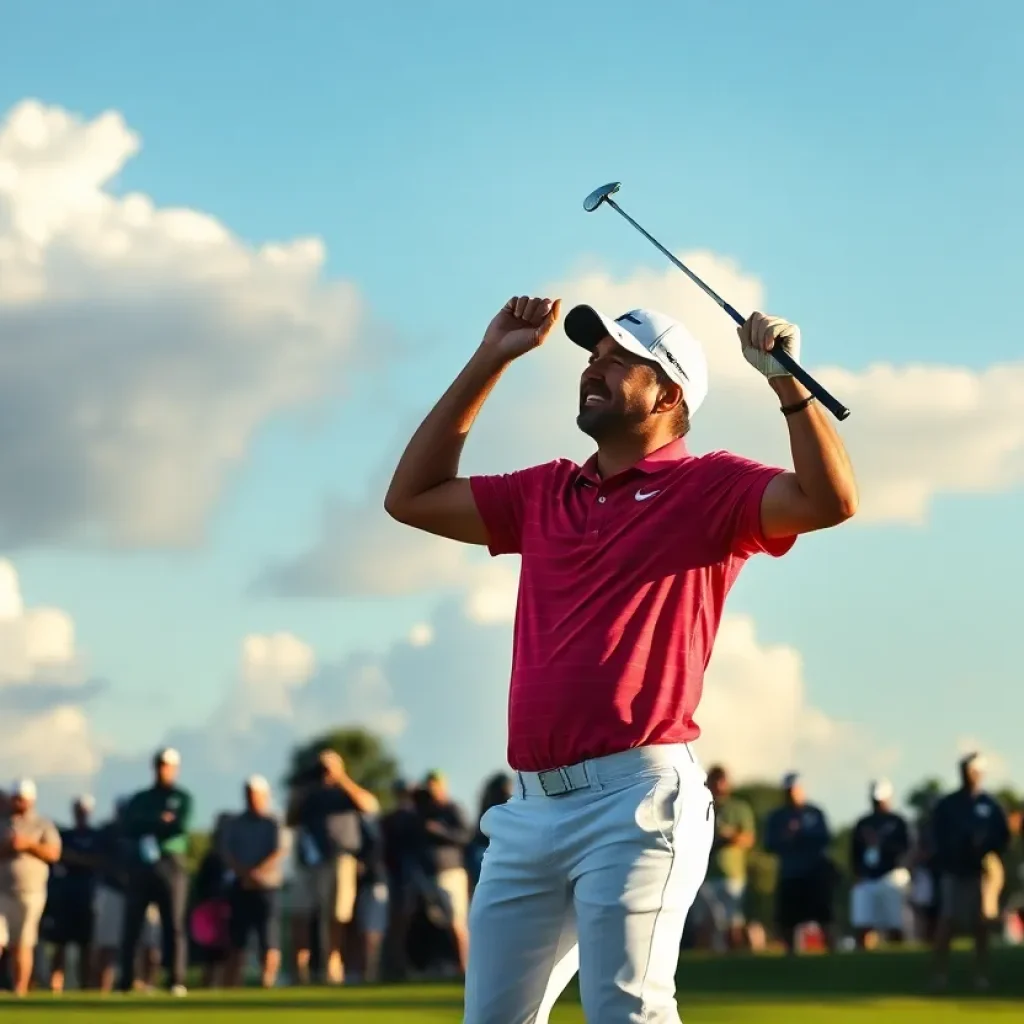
x=522 y=325
x=760 y=334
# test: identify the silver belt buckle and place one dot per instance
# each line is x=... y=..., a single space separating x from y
x=558 y=780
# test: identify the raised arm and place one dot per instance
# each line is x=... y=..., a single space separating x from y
x=426 y=490
x=820 y=491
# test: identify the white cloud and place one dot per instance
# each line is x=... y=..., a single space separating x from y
x=44 y=730
x=280 y=696
x=757 y=718
x=271 y=669
x=142 y=346
x=421 y=635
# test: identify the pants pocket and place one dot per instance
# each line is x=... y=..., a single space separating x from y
x=658 y=814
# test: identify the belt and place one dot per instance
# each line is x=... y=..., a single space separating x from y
x=590 y=774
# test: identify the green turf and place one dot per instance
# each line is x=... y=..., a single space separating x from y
x=846 y=989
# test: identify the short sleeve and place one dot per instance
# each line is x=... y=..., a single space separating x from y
x=734 y=488
x=504 y=501
x=746 y=816
x=52 y=837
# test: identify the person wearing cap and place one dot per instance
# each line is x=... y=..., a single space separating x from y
x=879 y=854
x=29 y=846
x=626 y=562
x=252 y=845
x=721 y=916
x=970 y=832
x=156 y=822
x=798 y=834
x=73 y=897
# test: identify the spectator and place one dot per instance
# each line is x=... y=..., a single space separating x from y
x=445 y=836
x=970 y=832
x=924 y=886
x=210 y=908
x=111 y=882
x=497 y=791
x=880 y=847
x=373 y=898
x=720 y=911
x=156 y=822
x=253 y=847
x=400 y=829
x=798 y=834
x=74 y=896
x=332 y=837
x=302 y=891
x=29 y=844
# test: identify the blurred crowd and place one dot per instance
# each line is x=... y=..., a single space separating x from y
x=926 y=880
x=334 y=889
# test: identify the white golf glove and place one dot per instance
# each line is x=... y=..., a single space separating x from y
x=762 y=332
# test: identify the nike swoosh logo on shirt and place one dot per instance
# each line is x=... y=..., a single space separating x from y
x=641 y=496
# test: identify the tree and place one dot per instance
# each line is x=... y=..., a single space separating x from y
x=366 y=758
x=1009 y=799
x=923 y=797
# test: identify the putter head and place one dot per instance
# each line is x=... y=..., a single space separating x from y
x=599 y=195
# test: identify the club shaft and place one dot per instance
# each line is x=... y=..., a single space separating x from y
x=784 y=359
x=707 y=289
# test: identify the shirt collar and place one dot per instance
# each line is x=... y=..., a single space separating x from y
x=662 y=458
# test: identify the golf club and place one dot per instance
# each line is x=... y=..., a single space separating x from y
x=604 y=195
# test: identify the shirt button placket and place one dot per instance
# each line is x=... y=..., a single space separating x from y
x=598 y=519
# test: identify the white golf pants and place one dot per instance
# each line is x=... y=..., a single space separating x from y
x=597 y=880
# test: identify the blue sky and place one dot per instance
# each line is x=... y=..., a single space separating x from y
x=863 y=161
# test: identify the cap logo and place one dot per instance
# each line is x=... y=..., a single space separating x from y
x=629 y=316
x=664 y=352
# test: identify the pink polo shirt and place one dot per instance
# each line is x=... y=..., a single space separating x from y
x=620 y=594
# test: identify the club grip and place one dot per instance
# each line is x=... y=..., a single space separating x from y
x=834 y=406
x=787 y=362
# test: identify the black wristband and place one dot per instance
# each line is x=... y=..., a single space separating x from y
x=789 y=410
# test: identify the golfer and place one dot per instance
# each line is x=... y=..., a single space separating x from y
x=626 y=563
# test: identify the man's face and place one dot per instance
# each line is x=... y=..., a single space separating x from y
x=437 y=789
x=257 y=799
x=81 y=816
x=618 y=392
x=796 y=795
x=20 y=804
x=166 y=774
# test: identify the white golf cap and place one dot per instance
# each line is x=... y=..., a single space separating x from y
x=86 y=802
x=257 y=783
x=881 y=790
x=168 y=755
x=974 y=760
x=650 y=335
x=25 y=788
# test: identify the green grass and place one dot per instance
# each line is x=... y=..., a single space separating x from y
x=881 y=988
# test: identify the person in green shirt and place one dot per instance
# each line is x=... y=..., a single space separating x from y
x=721 y=918
x=156 y=824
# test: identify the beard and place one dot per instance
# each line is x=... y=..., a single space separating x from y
x=608 y=421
